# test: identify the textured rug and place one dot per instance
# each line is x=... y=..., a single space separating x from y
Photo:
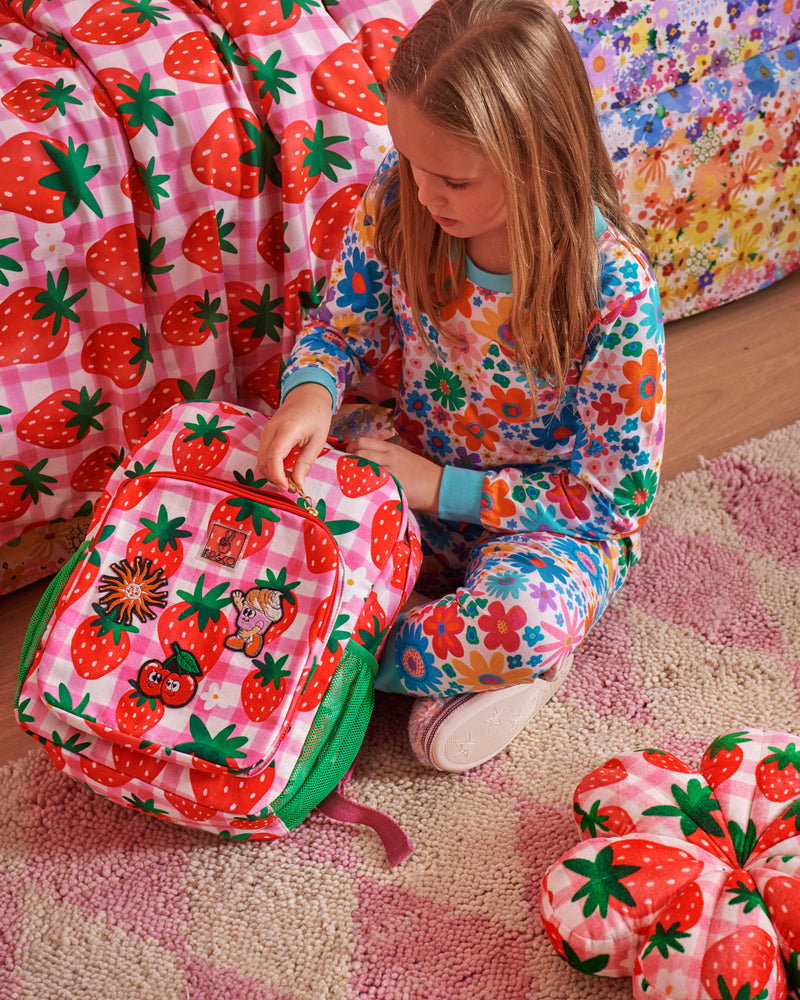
x=97 y=902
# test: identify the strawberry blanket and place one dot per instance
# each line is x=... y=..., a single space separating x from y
x=176 y=175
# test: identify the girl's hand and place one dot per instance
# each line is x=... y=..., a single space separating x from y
x=419 y=476
x=302 y=421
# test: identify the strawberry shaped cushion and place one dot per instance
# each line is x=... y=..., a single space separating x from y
x=687 y=881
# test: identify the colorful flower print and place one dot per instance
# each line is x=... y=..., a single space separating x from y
x=644 y=389
x=358 y=289
x=444 y=624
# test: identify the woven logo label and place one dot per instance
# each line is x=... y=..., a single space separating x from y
x=224 y=545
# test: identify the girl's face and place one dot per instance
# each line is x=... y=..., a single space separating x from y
x=455 y=182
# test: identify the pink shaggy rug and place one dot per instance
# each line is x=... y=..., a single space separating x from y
x=97 y=902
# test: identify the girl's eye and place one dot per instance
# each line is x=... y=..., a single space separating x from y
x=456 y=187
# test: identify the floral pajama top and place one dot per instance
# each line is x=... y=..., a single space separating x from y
x=585 y=465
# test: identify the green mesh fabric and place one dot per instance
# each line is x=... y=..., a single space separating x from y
x=334 y=738
x=42 y=614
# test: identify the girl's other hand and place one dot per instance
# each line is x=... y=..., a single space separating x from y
x=419 y=476
x=302 y=421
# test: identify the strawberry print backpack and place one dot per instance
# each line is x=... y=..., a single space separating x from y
x=208 y=654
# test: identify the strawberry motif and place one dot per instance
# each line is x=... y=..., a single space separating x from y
x=114 y=261
x=359 y=476
x=786 y=826
x=603 y=820
x=778 y=774
x=666 y=761
x=246 y=512
x=206 y=239
x=62 y=419
x=265 y=381
x=115 y=22
x=620 y=876
x=137 y=763
x=196 y=57
x=343 y=81
x=144 y=186
x=322 y=553
x=21 y=486
x=93 y=471
x=306 y=156
x=119 y=351
x=781 y=895
x=231 y=794
x=301 y=294
x=36 y=100
x=675 y=921
x=332 y=219
x=192 y=320
x=739 y=965
x=114 y=87
x=50 y=179
x=36 y=321
x=159 y=541
x=197 y=622
x=102 y=774
x=100 y=644
x=377 y=41
x=51 y=52
x=189 y=809
x=236 y=154
x=270 y=245
x=264 y=688
x=200 y=445
x=265 y=18
x=723 y=758
x=136 y=712
x=385 y=531
x=164 y=394
x=253 y=315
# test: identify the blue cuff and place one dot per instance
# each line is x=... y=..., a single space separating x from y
x=317 y=375
x=460 y=494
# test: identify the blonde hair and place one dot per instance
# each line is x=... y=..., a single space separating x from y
x=506 y=77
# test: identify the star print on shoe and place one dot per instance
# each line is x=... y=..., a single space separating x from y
x=459 y=733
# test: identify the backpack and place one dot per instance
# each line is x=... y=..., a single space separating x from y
x=207 y=655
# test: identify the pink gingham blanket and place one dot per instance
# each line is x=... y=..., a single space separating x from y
x=175 y=178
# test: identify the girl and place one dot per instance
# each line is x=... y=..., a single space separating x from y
x=492 y=251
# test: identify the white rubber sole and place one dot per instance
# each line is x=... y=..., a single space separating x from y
x=473 y=728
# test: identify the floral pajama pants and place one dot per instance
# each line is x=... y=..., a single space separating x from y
x=504 y=609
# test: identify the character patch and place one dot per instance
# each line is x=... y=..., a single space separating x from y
x=174 y=680
x=259 y=609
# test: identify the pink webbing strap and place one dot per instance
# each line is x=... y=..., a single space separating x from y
x=395 y=842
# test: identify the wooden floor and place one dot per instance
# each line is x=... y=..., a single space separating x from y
x=733 y=374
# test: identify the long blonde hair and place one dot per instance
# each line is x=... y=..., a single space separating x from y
x=506 y=77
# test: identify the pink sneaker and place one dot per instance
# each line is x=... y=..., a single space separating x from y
x=459 y=733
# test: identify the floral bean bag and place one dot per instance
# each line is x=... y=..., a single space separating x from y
x=687 y=881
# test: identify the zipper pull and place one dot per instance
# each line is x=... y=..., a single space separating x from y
x=294 y=488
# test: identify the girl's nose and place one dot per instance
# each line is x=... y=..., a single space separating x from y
x=427 y=192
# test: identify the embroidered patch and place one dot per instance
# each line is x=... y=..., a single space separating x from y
x=224 y=545
x=259 y=609
x=133 y=588
x=174 y=680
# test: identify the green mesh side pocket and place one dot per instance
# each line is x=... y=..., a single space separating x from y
x=334 y=738
x=43 y=613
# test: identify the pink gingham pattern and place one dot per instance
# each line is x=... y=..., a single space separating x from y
x=687 y=881
x=129 y=606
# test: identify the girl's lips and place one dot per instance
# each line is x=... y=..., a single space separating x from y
x=443 y=222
